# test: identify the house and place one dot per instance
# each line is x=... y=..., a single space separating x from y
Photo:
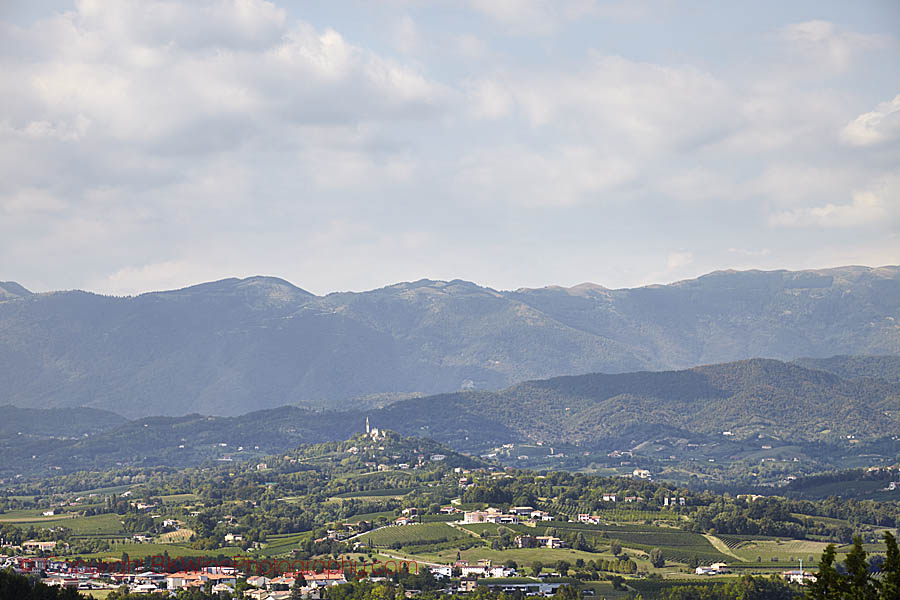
x=713 y=569
x=521 y=510
x=60 y=581
x=480 y=516
x=231 y=538
x=280 y=583
x=449 y=510
x=404 y=521
x=641 y=473
x=49 y=513
x=468 y=584
x=633 y=499
x=540 y=515
x=548 y=541
x=472 y=571
x=258 y=581
x=36 y=546
x=610 y=498
x=525 y=541
x=800 y=577
x=412 y=511
x=673 y=501
x=194 y=579
x=442 y=571
x=323 y=579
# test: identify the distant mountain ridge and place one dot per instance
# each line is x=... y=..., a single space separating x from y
x=232 y=346
x=854 y=367
x=749 y=399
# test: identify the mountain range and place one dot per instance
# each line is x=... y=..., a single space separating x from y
x=752 y=400
x=237 y=345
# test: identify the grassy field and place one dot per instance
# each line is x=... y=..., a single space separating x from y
x=105 y=524
x=282 y=544
x=144 y=550
x=97 y=525
x=33 y=515
x=782 y=551
x=179 y=498
x=523 y=556
x=380 y=493
x=176 y=537
x=420 y=533
x=369 y=516
x=676 y=545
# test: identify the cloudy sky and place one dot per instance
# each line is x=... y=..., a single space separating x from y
x=348 y=145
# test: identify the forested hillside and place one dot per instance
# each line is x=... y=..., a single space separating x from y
x=747 y=399
x=232 y=346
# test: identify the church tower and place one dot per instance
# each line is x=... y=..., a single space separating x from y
x=367 y=426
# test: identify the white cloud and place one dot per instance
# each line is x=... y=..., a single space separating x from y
x=405 y=35
x=557 y=176
x=30 y=201
x=626 y=103
x=490 y=99
x=543 y=17
x=875 y=127
x=679 y=260
x=152 y=71
x=866 y=208
x=533 y=16
x=822 y=42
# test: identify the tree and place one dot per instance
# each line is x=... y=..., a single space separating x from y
x=297 y=588
x=567 y=592
x=829 y=585
x=536 y=567
x=890 y=582
x=861 y=586
x=616 y=548
x=657 y=559
x=563 y=567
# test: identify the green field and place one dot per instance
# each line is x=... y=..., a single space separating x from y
x=179 y=498
x=379 y=493
x=97 y=525
x=523 y=556
x=282 y=544
x=369 y=516
x=174 y=550
x=419 y=533
x=32 y=515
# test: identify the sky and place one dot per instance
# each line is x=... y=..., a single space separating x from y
x=154 y=144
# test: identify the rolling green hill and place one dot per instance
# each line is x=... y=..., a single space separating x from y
x=852 y=367
x=749 y=399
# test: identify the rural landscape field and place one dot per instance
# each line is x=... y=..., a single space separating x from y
x=449 y=300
